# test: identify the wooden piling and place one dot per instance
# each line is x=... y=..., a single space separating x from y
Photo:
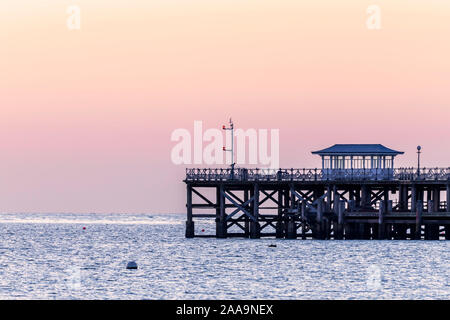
x=320 y=227
x=429 y=228
x=279 y=228
x=400 y=231
x=447 y=232
x=336 y=199
x=255 y=227
x=448 y=197
x=341 y=221
x=291 y=230
x=303 y=219
x=381 y=225
x=329 y=197
x=403 y=198
x=413 y=198
x=436 y=199
x=365 y=196
x=190 y=231
x=419 y=212
x=221 y=227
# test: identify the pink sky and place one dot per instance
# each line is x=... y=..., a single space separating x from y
x=86 y=115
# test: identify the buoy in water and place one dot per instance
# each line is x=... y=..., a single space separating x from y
x=132 y=265
x=84 y=228
x=203 y=230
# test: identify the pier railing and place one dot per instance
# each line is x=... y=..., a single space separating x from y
x=248 y=174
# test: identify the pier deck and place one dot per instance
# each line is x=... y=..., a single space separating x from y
x=401 y=204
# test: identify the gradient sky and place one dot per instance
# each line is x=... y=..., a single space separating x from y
x=86 y=115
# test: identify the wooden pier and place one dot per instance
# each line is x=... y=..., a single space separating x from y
x=347 y=203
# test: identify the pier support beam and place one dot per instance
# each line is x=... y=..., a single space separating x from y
x=436 y=199
x=279 y=230
x=320 y=225
x=386 y=200
x=381 y=224
x=431 y=230
x=365 y=196
x=339 y=232
x=447 y=232
x=421 y=194
x=448 y=197
x=329 y=197
x=399 y=231
x=279 y=227
x=336 y=199
x=304 y=218
x=189 y=223
x=419 y=212
x=291 y=229
x=413 y=198
x=403 y=198
x=365 y=231
x=221 y=223
x=190 y=229
x=255 y=228
x=247 y=219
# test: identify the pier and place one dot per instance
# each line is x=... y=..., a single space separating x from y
x=357 y=194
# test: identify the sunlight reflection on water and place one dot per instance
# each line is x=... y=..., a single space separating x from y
x=48 y=256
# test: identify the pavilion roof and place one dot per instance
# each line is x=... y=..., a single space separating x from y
x=358 y=149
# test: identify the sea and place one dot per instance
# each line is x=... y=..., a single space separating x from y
x=84 y=256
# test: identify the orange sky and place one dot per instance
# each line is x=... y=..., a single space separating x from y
x=86 y=115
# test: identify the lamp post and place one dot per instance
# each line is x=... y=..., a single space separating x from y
x=419 y=148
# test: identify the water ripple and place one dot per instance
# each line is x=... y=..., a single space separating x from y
x=45 y=256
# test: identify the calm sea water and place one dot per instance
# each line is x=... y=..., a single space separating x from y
x=50 y=256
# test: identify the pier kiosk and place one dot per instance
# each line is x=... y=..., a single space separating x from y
x=372 y=161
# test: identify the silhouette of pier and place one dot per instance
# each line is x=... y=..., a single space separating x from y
x=357 y=194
